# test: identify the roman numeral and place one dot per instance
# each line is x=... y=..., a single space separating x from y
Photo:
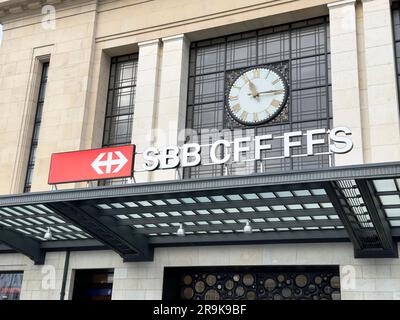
x=269 y=71
x=244 y=115
x=256 y=73
x=276 y=81
x=233 y=98
x=279 y=92
x=255 y=117
x=245 y=78
x=236 y=108
x=275 y=103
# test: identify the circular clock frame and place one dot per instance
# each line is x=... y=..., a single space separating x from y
x=271 y=117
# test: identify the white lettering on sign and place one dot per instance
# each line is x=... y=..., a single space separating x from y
x=169 y=157
x=191 y=155
x=259 y=146
x=290 y=144
x=325 y=141
x=98 y=163
x=239 y=149
x=213 y=152
x=311 y=142
x=343 y=140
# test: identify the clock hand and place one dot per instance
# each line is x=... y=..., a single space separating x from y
x=271 y=91
x=254 y=91
x=266 y=92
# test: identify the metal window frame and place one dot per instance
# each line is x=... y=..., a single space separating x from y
x=190 y=173
x=42 y=87
x=395 y=8
x=111 y=92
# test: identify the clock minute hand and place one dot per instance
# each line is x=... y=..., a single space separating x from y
x=269 y=91
x=266 y=92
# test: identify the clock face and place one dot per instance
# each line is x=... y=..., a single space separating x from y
x=257 y=96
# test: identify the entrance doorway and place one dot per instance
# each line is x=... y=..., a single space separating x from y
x=93 y=284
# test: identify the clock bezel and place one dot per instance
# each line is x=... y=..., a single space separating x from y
x=279 y=110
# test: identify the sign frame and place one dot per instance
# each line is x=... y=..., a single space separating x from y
x=131 y=168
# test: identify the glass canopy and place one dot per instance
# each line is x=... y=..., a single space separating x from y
x=360 y=204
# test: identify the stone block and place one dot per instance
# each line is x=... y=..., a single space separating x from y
x=378 y=296
x=135 y=295
x=153 y=295
x=387 y=285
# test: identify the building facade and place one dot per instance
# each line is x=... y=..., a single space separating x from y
x=87 y=74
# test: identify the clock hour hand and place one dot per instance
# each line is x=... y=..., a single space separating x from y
x=254 y=91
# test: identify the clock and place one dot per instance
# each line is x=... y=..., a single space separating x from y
x=257 y=96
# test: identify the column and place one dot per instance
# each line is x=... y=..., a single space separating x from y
x=146 y=101
x=382 y=120
x=172 y=101
x=345 y=77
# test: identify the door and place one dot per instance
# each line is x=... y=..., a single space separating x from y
x=93 y=284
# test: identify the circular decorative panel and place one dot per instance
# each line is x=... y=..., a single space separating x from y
x=187 y=280
x=211 y=280
x=222 y=283
x=211 y=295
x=248 y=279
x=199 y=286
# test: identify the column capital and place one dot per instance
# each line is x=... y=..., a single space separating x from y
x=341 y=3
x=149 y=43
x=378 y=2
x=175 y=37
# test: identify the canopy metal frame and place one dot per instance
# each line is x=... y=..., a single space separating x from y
x=327 y=205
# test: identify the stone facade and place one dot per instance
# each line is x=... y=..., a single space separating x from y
x=87 y=33
x=360 y=278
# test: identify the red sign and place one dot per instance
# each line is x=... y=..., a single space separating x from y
x=96 y=164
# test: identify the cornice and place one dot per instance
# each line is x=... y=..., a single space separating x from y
x=13 y=9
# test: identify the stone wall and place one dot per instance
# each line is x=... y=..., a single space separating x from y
x=360 y=278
